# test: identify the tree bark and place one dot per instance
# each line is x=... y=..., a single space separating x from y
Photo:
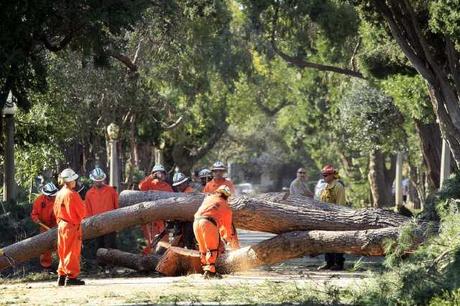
x=179 y=261
x=257 y=214
x=380 y=179
x=430 y=140
x=119 y=258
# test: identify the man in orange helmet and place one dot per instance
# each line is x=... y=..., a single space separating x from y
x=156 y=181
x=213 y=221
x=218 y=171
x=101 y=198
x=43 y=215
x=333 y=192
x=69 y=210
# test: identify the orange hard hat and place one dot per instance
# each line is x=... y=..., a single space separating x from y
x=328 y=169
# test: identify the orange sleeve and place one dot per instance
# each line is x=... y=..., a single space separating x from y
x=144 y=184
x=78 y=207
x=88 y=205
x=207 y=188
x=36 y=209
x=226 y=230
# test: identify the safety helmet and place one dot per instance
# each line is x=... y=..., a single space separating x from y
x=204 y=173
x=68 y=175
x=49 y=190
x=97 y=175
x=224 y=190
x=158 y=168
x=328 y=169
x=218 y=165
x=179 y=178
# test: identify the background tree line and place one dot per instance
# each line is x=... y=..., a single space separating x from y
x=268 y=84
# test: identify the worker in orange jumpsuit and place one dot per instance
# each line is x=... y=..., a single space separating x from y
x=99 y=199
x=218 y=170
x=69 y=210
x=205 y=176
x=183 y=230
x=154 y=182
x=43 y=215
x=213 y=221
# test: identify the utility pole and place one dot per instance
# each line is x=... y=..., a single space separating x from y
x=445 y=162
x=398 y=179
x=113 y=131
x=9 y=185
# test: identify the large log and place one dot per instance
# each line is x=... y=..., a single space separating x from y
x=257 y=214
x=136 y=262
x=178 y=261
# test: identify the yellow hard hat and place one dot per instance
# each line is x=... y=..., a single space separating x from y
x=224 y=190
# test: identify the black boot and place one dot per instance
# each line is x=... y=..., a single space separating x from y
x=61 y=280
x=210 y=275
x=74 y=282
x=337 y=267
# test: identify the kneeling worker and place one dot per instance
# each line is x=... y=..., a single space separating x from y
x=43 y=215
x=69 y=210
x=213 y=221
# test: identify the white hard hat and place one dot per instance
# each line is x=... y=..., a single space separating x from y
x=68 y=175
x=179 y=178
x=158 y=168
x=218 y=165
x=49 y=189
x=204 y=173
x=97 y=175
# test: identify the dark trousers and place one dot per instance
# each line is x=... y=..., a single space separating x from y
x=334 y=259
x=108 y=241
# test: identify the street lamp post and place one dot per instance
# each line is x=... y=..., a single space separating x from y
x=9 y=188
x=113 y=131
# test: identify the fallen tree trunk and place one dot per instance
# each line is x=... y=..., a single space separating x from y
x=178 y=261
x=119 y=258
x=256 y=214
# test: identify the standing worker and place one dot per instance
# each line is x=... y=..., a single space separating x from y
x=69 y=210
x=334 y=192
x=213 y=221
x=205 y=176
x=299 y=185
x=156 y=181
x=181 y=183
x=43 y=215
x=183 y=230
x=218 y=171
x=101 y=198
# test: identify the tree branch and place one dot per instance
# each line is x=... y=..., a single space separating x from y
x=301 y=63
x=123 y=59
x=267 y=110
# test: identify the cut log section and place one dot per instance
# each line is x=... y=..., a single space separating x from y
x=256 y=214
x=178 y=261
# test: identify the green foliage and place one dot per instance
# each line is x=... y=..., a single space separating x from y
x=445 y=18
x=430 y=273
x=370 y=119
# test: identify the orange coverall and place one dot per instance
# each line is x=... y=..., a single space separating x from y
x=99 y=200
x=156 y=227
x=42 y=211
x=213 y=184
x=69 y=210
x=213 y=220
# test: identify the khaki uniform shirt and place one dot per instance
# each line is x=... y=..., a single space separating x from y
x=333 y=193
x=299 y=187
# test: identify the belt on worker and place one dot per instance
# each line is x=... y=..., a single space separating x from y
x=212 y=220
